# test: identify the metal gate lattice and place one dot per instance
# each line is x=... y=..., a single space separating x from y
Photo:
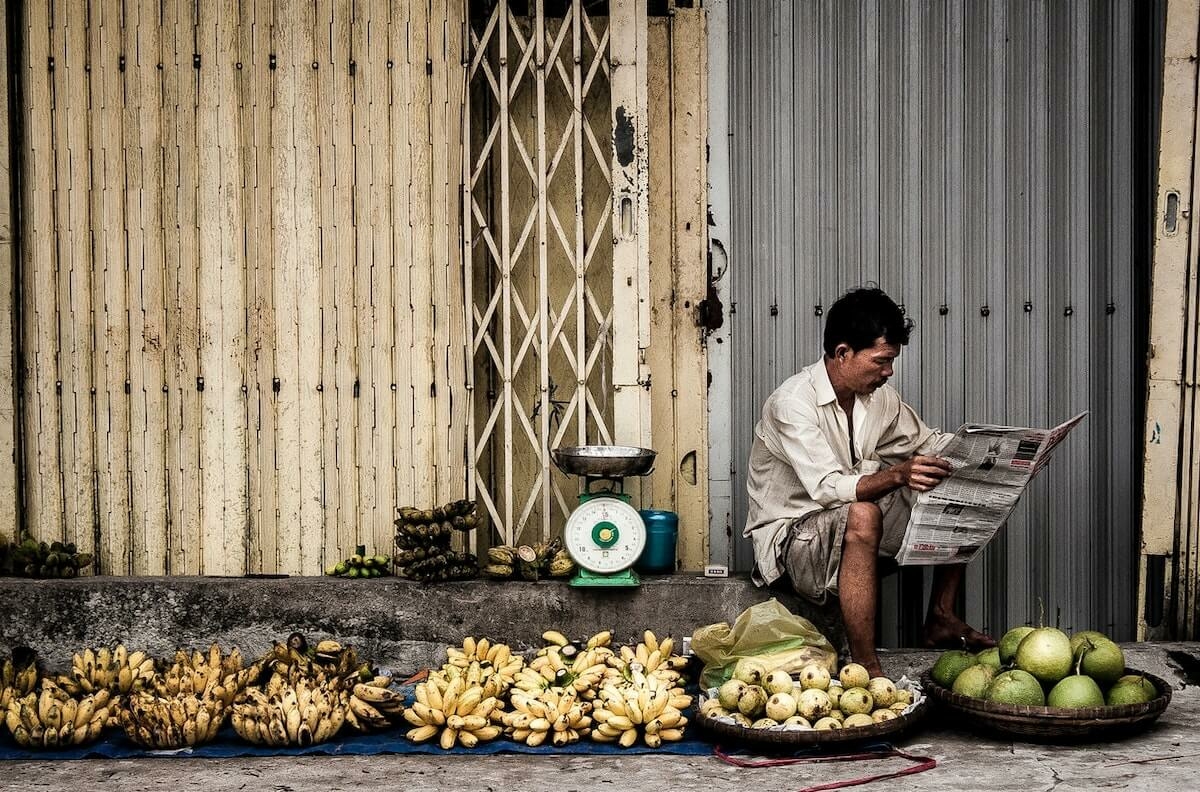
x=537 y=208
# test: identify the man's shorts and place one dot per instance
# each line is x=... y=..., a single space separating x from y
x=812 y=554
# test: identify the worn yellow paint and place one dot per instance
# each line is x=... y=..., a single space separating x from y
x=1172 y=451
x=248 y=277
x=679 y=276
x=9 y=515
x=257 y=309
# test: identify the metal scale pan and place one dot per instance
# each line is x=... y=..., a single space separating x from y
x=604 y=461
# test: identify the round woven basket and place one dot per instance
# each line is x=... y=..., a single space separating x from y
x=1052 y=725
x=791 y=739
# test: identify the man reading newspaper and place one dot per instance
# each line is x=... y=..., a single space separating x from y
x=835 y=461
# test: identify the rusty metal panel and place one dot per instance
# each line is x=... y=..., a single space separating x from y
x=975 y=161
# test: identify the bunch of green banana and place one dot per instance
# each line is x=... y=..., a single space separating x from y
x=162 y=722
x=529 y=562
x=423 y=542
x=646 y=707
x=374 y=705
x=52 y=718
x=454 y=712
x=118 y=671
x=35 y=559
x=556 y=714
x=460 y=515
x=443 y=564
x=303 y=714
x=19 y=675
x=481 y=662
x=360 y=565
x=213 y=675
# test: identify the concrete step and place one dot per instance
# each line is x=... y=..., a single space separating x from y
x=400 y=625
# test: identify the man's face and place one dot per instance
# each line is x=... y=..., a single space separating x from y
x=865 y=370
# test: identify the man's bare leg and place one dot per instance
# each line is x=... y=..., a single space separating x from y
x=943 y=627
x=858 y=582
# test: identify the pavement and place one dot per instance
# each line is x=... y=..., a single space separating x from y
x=1166 y=757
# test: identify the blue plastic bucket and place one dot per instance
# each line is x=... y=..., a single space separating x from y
x=662 y=532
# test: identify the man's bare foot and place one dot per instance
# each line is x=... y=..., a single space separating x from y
x=875 y=670
x=870 y=663
x=954 y=633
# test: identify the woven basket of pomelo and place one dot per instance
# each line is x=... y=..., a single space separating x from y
x=1054 y=724
x=1040 y=685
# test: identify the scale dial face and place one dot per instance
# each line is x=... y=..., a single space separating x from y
x=605 y=535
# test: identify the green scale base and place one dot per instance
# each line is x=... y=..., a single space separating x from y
x=626 y=578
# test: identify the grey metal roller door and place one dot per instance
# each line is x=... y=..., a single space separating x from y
x=980 y=161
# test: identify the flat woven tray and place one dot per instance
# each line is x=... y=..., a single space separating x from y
x=792 y=739
x=1052 y=725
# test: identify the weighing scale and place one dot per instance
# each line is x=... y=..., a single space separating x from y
x=605 y=535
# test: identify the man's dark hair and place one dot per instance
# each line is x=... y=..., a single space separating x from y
x=860 y=316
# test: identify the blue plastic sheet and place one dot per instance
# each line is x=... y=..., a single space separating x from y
x=113 y=744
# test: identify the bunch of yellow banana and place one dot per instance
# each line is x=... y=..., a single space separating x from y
x=602 y=638
x=652 y=656
x=18 y=678
x=554 y=714
x=305 y=714
x=587 y=671
x=555 y=641
x=554 y=638
x=160 y=722
x=118 y=671
x=453 y=712
x=529 y=681
x=493 y=666
x=53 y=718
x=211 y=675
x=374 y=705
x=552 y=667
x=296 y=659
x=581 y=674
x=648 y=707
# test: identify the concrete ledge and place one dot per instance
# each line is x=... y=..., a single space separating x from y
x=401 y=625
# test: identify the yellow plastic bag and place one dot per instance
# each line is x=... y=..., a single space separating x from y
x=767 y=631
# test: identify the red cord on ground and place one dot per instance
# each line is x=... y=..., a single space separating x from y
x=923 y=763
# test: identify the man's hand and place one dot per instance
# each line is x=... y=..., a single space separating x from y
x=922 y=473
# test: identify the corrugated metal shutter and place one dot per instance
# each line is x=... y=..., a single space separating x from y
x=977 y=161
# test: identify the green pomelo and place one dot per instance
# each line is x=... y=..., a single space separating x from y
x=1075 y=692
x=1132 y=689
x=950 y=665
x=1017 y=687
x=989 y=657
x=1045 y=653
x=1104 y=662
x=974 y=681
x=1078 y=638
x=1009 y=643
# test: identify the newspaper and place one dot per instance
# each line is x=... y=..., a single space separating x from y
x=992 y=466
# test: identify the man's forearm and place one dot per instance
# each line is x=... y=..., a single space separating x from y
x=876 y=485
